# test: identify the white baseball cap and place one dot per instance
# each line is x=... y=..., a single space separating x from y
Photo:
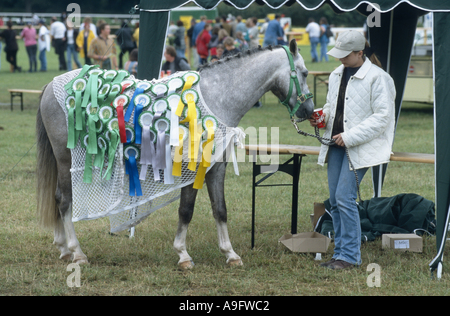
x=347 y=42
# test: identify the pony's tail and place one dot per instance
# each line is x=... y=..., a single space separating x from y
x=46 y=174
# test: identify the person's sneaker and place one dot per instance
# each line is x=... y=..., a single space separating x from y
x=340 y=265
x=326 y=264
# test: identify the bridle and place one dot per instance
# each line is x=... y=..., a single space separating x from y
x=301 y=98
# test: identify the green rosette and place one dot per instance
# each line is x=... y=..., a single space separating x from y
x=71 y=131
x=99 y=161
x=105 y=113
x=113 y=142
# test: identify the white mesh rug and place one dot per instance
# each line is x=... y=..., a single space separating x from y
x=112 y=197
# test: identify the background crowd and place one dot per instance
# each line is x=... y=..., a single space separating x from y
x=186 y=49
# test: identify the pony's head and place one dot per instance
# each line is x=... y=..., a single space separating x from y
x=294 y=89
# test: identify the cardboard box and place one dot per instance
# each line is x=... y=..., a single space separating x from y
x=306 y=242
x=402 y=242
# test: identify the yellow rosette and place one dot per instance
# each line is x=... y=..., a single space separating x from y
x=190 y=79
x=210 y=125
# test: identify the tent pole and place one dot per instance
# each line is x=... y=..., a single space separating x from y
x=391 y=26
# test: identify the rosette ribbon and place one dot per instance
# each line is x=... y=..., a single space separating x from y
x=173 y=100
x=114 y=141
x=168 y=177
x=147 y=144
x=140 y=101
x=191 y=118
x=178 y=157
x=131 y=107
x=210 y=124
x=100 y=157
x=159 y=159
x=189 y=80
x=131 y=154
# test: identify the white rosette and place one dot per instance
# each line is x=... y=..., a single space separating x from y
x=162 y=127
x=159 y=89
x=148 y=140
x=175 y=84
x=173 y=101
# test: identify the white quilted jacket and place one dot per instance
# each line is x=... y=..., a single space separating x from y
x=369 y=115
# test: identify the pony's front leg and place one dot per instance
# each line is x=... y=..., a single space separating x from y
x=185 y=212
x=215 y=180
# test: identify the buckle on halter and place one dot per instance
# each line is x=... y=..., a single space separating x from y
x=302 y=98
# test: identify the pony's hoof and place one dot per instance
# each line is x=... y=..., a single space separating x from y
x=186 y=265
x=80 y=260
x=66 y=257
x=235 y=262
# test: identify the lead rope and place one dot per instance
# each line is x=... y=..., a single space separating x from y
x=327 y=142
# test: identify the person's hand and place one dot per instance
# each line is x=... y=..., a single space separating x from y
x=338 y=140
x=312 y=120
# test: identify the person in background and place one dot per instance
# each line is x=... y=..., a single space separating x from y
x=324 y=40
x=11 y=47
x=360 y=116
x=88 y=20
x=84 y=40
x=192 y=48
x=173 y=62
x=29 y=36
x=240 y=27
x=103 y=49
x=72 y=48
x=179 y=42
x=240 y=41
x=43 y=44
x=57 y=31
x=124 y=39
x=226 y=26
x=136 y=34
x=214 y=41
x=274 y=32
x=132 y=63
x=202 y=44
x=313 y=30
x=230 y=48
x=253 y=33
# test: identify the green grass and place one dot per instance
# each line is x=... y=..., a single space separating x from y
x=146 y=265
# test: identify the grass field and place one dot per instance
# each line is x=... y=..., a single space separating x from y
x=146 y=265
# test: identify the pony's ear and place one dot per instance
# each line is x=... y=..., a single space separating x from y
x=293 y=47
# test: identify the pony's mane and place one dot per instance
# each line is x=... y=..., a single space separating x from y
x=245 y=53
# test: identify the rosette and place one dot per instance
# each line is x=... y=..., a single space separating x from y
x=131 y=154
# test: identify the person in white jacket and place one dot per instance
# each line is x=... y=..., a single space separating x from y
x=360 y=117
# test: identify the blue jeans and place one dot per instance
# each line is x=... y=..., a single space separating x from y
x=314 y=41
x=43 y=59
x=344 y=211
x=323 y=48
x=72 y=51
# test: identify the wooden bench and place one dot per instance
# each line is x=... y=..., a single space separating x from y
x=19 y=93
x=293 y=167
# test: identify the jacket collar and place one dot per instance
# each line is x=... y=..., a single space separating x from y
x=361 y=73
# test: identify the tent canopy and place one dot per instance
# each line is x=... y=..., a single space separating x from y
x=394 y=40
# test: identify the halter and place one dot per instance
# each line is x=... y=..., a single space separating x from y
x=301 y=98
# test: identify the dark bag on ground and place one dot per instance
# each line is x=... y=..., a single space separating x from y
x=401 y=214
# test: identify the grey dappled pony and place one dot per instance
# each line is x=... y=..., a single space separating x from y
x=230 y=87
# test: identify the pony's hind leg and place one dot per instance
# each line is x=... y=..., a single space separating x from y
x=185 y=212
x=215 y=180
x=65 y=237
